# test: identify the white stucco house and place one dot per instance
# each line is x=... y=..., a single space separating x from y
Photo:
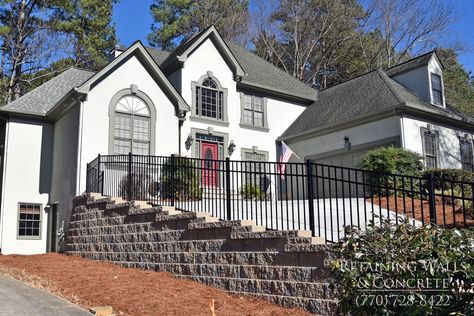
x=212 y=99
x=403 y=106
x=198 y=100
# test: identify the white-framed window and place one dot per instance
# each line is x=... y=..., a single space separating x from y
x=253 y=111
x=466 y=153
x=436 y=89
x=132 y=126
x=430 y=148
x=29 y=221
x=254 y=165
x=209 y=99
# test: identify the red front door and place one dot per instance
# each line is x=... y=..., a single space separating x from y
x=209 y=164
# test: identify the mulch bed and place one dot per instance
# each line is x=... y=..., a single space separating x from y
x=90 y=283
x=419 y=209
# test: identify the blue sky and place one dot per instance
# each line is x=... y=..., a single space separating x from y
x=133 y=21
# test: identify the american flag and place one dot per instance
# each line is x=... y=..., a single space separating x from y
x=285 y=155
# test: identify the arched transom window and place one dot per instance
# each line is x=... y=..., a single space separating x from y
x=209 y=99
x=132 y=126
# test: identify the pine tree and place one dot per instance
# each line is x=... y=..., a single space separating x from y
x=89 y=22
x=177 y=19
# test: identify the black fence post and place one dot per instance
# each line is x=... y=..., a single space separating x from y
x=227 y=189
x=130 y=180
x=309 y=180
x=431 y=197
x=173 y=168
x=88 y=180
x=98 y=174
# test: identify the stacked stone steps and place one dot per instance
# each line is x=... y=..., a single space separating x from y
x=286 y=267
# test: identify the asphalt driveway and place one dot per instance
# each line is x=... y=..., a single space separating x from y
x=19 y=299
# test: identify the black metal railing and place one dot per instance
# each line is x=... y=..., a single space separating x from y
x=321 y=198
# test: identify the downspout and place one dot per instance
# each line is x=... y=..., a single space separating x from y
x=2 y=194
x=181 y=119
x=79 y=148
x=402 y=132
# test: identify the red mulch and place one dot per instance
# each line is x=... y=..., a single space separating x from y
x=419 y=209
x=90 y=283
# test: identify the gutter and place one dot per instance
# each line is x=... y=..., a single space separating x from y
x=280 y=94
x=394 y=111
x=398 y=110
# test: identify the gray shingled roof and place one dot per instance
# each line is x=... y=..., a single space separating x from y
x=410 y=64
x=260 y=73
x=363 y=96
x=44 y=97
x=159 y=56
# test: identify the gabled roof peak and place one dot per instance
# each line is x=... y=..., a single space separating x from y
x=413 y=63
x=181 y=53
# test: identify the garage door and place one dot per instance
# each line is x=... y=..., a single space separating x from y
x=336 y=182
x=349 y=160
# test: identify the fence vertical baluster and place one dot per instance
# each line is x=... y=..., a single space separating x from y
x=173 y=165
x=129 y=174
x=431 y=198
x=227 y=189
x=98 y=174
x=309 y=175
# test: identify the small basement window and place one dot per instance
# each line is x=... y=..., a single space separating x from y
x=29 y=221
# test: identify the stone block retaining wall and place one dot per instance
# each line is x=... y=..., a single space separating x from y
x=285 y=267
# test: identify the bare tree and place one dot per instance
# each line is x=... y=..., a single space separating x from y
x=305 y=38
x=404 y=28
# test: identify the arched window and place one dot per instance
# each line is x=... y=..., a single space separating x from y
x=209 y=99
x=131 y=126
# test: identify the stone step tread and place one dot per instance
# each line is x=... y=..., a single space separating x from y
x=114 y=226
x=98 y=201
x=317 y=247
x=150 y=232
x=225 y=224
x=271 y=234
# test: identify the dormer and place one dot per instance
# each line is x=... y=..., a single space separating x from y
x=422 y=75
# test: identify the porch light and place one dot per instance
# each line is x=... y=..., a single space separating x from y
x=231 y=147
x=347 y=143
x=189 y=141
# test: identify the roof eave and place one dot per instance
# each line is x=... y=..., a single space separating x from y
x=180 y=104
x=61 y=106
x=278 y=93
x=430 y=114
x=25 y=114
x=342 y=125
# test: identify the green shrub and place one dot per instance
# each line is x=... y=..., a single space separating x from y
x=390 y=160
x=354 y=264
x=448 y=182
x=185 y=175
x=443 y=176
x=252 y=192
x=140 y=186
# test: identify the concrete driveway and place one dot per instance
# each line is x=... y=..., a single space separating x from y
x=19 y=299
